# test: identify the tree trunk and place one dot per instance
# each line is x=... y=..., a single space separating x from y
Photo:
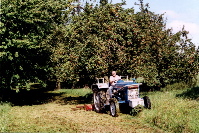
x=58 y=85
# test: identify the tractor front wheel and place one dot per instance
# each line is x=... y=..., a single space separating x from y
x=114 y=107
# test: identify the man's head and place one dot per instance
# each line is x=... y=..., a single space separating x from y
x=113 y=73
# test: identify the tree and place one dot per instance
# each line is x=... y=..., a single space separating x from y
x=61 y=42
x=63 y=59
x=161 y=51
x=110 y=37
x=24 y=26
x=98 y=40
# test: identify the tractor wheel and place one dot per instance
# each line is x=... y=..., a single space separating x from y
x=147 y=102
x=114 y=107
x=96 y=102
x=99 y=99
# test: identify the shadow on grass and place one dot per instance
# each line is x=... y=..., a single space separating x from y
x=39 y=96
x=192 y=93
x=28 y=97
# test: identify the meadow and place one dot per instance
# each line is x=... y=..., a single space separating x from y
x=173 y=110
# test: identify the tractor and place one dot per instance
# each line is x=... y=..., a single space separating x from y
x=125 y=96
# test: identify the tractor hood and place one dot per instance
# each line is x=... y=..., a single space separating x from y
x=121 y=84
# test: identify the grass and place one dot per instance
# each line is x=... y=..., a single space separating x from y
x=172 y=111
x=4 y=116
x=73 y=96
x=74 y=92
x=60 y=118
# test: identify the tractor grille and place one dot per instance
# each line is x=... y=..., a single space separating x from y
x=132 y=94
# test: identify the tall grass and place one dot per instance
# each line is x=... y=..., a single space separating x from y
x=171 y=113
x=74 y=92
x=4 y=116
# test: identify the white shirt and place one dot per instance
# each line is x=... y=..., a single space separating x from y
x=114 y=79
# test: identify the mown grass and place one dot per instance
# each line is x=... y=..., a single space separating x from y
x=172 y=111
x=4 y=116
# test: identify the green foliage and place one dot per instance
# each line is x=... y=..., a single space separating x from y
x=62 y=58
x=24 y=26
x=64 y=42
x=110 y=37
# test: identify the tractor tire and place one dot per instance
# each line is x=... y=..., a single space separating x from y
x=147 y=102
x=98 y=101
x=114 y=107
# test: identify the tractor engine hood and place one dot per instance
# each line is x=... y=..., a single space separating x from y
x=127 y=84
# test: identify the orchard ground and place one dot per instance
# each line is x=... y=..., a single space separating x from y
x=51 y=111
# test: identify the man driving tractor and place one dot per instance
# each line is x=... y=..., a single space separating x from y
x=116 y=94
x=112 y=80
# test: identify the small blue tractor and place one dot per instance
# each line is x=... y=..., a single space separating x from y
x=125 y=96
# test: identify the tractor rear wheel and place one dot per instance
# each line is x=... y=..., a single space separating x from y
x=99 y=101
x=114 y=107
x=96 y=102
